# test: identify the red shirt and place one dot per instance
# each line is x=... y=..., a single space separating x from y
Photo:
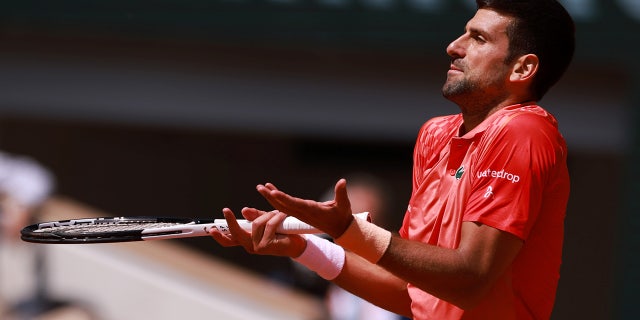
x=509 y=173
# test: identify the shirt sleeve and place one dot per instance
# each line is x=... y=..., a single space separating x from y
x=509 y=175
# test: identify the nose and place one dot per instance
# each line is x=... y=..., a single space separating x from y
x=455 y=48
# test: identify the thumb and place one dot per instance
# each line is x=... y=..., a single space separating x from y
x=341 y=196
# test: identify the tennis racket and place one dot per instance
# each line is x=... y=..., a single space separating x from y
x=125 y=229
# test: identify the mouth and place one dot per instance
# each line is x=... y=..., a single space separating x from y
x=454 y=70
x=454 y=67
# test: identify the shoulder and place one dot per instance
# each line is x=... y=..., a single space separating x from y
x=526 y=122
x=441 y=125
x=444 y=121
x=529 y=134
x=529 y=116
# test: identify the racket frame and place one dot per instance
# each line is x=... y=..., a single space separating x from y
x=185 y=228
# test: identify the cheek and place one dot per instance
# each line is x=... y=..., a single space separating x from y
x=490 y=68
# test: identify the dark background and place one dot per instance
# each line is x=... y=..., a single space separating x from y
x=179 y=108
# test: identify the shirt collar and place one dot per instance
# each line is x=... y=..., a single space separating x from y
x=480 y=128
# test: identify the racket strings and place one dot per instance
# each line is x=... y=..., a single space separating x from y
x=105 y=227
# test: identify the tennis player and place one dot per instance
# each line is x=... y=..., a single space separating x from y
x=482 y=234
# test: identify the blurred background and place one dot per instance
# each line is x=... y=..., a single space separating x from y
x=180 y=107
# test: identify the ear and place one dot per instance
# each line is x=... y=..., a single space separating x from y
x=525 y=68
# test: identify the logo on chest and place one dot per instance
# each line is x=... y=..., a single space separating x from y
x=514 y=178
x=459 y=173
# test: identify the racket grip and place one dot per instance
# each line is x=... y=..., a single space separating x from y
x=290 y=225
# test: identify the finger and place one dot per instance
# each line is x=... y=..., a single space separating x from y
x=251 y=213
x=341 y=195
x=265 y=227
x=270 y=186
x=241 y=236
x=223 y=239
x=270 y=231
x=271 y=195
x=275 y=221
x=257 y=227
x=308 y=211
x=266 y=189
x=284 y=202
x=232 y=222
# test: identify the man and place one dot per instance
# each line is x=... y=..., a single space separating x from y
x=482 y=235
x=24 y=185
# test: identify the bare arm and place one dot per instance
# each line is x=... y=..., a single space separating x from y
x=461 y=276
x=374 y=284
x=362 y=278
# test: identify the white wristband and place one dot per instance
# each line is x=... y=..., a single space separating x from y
x=322 y=256
x=365 y=239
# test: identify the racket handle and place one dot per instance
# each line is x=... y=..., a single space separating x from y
x=290 y=225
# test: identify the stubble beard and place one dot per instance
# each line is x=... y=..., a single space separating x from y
x=459 y=91
x=472 y=98
x=453 y=89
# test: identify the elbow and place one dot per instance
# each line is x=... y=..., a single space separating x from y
x=471 y=293
x=476 y=280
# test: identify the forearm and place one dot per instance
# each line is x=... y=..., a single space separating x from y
x=355 y=274
x=374 y=284
x=459 y=275
x=441 y=272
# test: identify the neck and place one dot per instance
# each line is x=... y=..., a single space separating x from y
x=473 y=117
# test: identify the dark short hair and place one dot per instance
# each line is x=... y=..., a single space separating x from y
x=540 y=27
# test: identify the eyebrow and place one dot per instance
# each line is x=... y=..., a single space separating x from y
x=481 y=32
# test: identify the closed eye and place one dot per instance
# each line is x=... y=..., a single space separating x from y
x=478 y=37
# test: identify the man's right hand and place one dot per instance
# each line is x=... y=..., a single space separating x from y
x=331 y=217
x=263 y=238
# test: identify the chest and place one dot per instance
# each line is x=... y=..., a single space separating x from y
x=441 y=190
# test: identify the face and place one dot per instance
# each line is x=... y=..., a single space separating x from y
x=478 y=75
